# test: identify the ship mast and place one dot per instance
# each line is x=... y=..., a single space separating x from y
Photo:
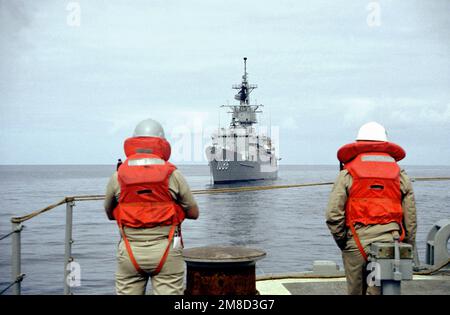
x=243 y=96
x=244 y=114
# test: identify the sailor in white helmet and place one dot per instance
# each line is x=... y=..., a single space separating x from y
x=371 y=201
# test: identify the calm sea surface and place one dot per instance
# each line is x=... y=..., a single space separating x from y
x=288 y=224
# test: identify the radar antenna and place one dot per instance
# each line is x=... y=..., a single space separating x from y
x=243 y=96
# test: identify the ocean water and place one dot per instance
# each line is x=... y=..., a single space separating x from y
x=288 y=224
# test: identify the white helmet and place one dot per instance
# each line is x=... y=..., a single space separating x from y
x=149 y=128
x=372 y=131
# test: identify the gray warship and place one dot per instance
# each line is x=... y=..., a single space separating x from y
x=240 y=152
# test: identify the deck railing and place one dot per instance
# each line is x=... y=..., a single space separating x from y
x=17 y=226
x=16 y=245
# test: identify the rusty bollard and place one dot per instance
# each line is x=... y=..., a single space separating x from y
x=221 y=270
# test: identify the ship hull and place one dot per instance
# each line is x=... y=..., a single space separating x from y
x=238 y=171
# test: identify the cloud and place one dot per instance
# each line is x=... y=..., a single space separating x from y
x=14 y=15
x=322 y=71
x=396 y=111
x=357 y=109
x=289 y=123
x=128 y=118
x=438 y=114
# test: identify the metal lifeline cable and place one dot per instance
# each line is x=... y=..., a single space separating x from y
x=199 y=192
x=7 y=235
x=19 y=279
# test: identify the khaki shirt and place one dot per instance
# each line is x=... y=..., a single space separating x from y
x=335 y=216
x=178 y=188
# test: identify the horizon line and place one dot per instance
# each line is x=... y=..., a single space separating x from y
x=197 y=164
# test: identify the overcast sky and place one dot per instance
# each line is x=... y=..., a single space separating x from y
x=71 y=94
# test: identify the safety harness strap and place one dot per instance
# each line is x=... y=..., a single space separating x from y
x=166 y=252
x=129 y=251
x=133 y=259
x=357 y=241
x=402 y=236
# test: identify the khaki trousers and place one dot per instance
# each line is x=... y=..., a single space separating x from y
x=356 y=274
x=148 y=246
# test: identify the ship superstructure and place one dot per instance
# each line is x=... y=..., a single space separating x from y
x=241 y=152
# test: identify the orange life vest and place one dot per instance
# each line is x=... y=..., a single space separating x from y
x=375 y=196
x=145 y=200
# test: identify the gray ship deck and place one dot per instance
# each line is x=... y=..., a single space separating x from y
x=300 y=284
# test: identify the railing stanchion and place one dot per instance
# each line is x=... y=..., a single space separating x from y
x=16 y=262
x=68 y=245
